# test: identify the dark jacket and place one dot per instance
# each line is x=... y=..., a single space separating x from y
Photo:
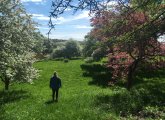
x=55 y=82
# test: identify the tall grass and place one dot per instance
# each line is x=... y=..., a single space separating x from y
x=32 y=101
x=81 y=100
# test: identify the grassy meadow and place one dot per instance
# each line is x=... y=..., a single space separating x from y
x=81 y=100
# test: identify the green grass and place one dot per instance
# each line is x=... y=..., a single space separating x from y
x=78 y=99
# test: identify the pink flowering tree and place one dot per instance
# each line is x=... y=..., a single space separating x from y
x=132 y=39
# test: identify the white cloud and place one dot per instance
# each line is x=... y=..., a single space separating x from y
x=68 y=9
x=40 y=16
x=37 y=15
x=61 y=20
x=32 y=0
x=63 y=33
x=83 y=27
x=46 y=18
x=43 y=28
x=110 y=3
x=83 y=15
x=76 y=36
x=38 y=2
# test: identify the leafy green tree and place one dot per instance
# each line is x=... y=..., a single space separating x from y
x=89 y=46
x=48 y=48
x=72 y=49
x=59 y=52
x=16 y=43
x=98 y=54
x=94 y=48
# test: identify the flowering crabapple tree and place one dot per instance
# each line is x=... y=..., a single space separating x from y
x=133 y=38
x=16 y=41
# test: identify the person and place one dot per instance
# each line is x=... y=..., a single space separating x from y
x=55 y=84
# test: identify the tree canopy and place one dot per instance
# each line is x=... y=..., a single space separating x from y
x=16 y=42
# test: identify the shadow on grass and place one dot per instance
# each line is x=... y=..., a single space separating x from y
x=148 y=90
x=101 y=75
x=9 y=97
x=12 y=96
x=49 y=102
x=152 y=74
x=76 y=58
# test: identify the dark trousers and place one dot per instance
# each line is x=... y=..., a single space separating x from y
x=53 y=93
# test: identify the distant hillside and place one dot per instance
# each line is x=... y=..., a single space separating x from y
x=58 y=40
x=62 y=40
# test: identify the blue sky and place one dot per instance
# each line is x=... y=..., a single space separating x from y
x=69 y=25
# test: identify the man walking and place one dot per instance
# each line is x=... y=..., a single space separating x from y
x=55 y=84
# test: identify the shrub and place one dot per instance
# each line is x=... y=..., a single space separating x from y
x=94 y=67
x=66 y=60
x=72 y=49
x=98 y=54
x=69 y=50
x=58 y=53
x=89 y=60
x=59 y=59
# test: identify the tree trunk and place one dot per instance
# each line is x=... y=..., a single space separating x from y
x=131 y=72
x=7 y=83
x=130 y=78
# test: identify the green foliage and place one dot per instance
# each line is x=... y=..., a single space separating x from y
x=152 y=112
x=89 y=46
x=72 y=49
x=93 y=48
x=94 y=67
x=48 y=48
x=59 y=52
x=89 y=60
x=101 y=75
x=66 y=60
x=98 y=54
x=69 y=50
x=144 y=101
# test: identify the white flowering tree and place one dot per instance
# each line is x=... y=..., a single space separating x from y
x=16 y=40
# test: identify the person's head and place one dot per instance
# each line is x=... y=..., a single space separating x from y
x=55 y=73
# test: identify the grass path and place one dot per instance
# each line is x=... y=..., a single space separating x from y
x=76 y=97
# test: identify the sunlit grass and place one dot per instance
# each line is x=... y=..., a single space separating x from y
x=78 y=99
